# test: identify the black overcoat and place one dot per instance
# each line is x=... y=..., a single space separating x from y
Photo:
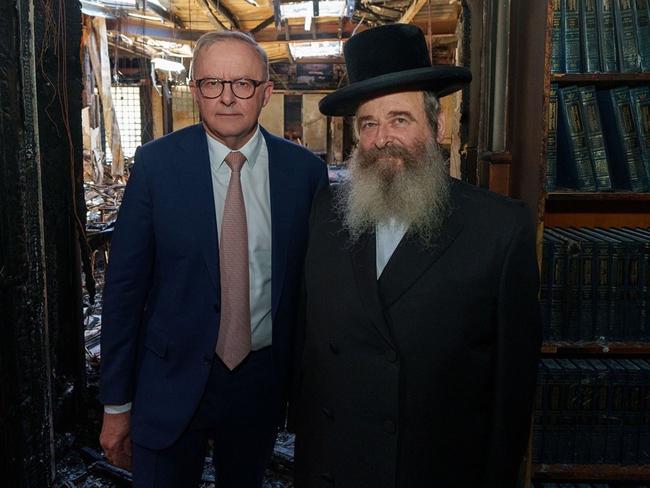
x=425 y=377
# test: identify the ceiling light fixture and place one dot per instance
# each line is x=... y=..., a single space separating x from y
x=326 y=8
x=320 y=49
x=157 y=3
x=167 y=65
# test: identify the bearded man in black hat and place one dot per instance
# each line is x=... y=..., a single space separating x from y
x=416 y=362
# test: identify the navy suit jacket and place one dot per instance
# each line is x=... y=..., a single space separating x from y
x=162 y=295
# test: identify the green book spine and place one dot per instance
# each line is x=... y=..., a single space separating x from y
x=644 y=280
x=595 y=140
x=607 y=29
x=628 y=49
x=556 y=300
x=589 y=36
x=621 y=140
x=637 y=252
x=572 y=57
x=601 y=278
x=575 y=169
x=640 y=96
x=557 y=38
x=642 y=11
x=586 y=285
x=602 y=394
x=572 y=305
x=551 y=142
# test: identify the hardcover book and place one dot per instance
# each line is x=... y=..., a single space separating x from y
x=607 y=38
x=589 y=37
x=626 y=36
x=595 y=139
x=575 y=169
x=642 y=17
x=557 y=38
x=571 y=22
x=622 y=140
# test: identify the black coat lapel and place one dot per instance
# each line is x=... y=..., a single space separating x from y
x=411 y=259
x=364 y=262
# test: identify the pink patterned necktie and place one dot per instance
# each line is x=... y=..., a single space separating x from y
x=234 y=342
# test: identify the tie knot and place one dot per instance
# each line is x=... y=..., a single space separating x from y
x=235 y=160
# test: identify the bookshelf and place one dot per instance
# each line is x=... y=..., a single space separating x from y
x=601 y=472
x=601 y=80
x=595 y=349
x=596 y=209
x=528 y=132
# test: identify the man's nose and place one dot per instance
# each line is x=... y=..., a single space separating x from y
x=384 y=138
x=227 y=96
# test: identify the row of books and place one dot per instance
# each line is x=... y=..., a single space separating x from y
x=588 y=485
x=594 y=36
x=595 y=284
x=598 y=140
x=592 y=411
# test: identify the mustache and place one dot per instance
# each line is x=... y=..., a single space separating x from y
x=368 y=157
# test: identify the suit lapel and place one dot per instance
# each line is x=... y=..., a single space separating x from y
x=364 y=264
x=411 y=259
x=196 y=168
x=282 y=215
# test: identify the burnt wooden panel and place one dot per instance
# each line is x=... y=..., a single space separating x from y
x=57 y=34
x=41 y=216
x=26 y=420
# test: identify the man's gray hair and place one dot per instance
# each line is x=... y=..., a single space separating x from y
x=213 y=37
x=431 y=109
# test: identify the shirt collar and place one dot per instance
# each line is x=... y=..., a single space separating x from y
x=391 y=226
x=219 y=151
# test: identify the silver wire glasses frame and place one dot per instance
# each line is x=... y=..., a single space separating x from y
x=243 y=88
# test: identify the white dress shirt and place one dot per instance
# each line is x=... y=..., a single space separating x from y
x=388 y=235
x=257 y=199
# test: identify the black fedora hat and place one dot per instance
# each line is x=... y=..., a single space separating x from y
x=388 y=59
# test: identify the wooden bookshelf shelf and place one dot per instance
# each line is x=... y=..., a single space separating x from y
x=601 y=80
x=591 y=472
x=573 y=196
x=597 y=209
x=552 y=348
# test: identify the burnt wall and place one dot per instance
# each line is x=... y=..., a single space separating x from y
x=40 y=328
x=59 y=85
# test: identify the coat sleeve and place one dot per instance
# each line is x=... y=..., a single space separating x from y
x=518 y=348
x=127 y=286
x=298 y=336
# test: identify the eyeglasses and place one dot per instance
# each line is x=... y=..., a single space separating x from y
x=213 y=87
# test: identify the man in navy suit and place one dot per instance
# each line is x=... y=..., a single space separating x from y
x=165 y=390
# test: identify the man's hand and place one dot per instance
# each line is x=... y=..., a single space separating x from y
x=115 y=439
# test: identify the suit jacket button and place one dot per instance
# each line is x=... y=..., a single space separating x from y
x=334 y=348
x=327 y=477
x=217 y=308
x=390 y=426
x=391 y=355
x=207 y=359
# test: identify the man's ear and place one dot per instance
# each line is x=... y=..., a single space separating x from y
x=268 y=90
x=442 y=127
x=194 y=90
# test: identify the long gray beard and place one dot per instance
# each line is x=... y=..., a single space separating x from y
x=415 y=194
